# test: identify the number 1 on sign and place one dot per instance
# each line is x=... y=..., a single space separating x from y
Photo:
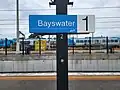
x=86 y=18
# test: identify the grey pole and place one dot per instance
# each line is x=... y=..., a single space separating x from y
x=17 y=26
x=23 y=46
x=92 y=37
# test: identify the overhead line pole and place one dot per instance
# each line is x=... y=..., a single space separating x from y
x=17 y=26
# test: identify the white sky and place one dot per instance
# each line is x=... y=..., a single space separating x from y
x=105 y=29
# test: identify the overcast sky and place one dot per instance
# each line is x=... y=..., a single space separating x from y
x=104 y=26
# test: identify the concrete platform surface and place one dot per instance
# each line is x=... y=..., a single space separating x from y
x=51 y=85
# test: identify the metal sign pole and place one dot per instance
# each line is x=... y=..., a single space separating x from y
x=62 y=48
x=62 y=53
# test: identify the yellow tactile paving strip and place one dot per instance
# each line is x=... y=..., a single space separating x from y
x=54 y=77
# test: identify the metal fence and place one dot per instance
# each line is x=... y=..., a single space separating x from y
x=89 y=54
x=84 y=45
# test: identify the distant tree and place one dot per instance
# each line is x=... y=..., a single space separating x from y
x=34 y=36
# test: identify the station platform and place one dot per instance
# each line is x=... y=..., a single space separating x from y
x=48 y=82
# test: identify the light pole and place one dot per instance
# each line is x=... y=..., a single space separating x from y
x=17 y=26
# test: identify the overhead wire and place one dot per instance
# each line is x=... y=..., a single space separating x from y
x=108 y=22
x=112 y=27
x=28 y=19
x=115 y=7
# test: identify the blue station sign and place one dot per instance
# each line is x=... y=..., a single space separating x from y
x=53 y=24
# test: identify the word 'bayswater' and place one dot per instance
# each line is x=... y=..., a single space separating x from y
x=49 y=24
